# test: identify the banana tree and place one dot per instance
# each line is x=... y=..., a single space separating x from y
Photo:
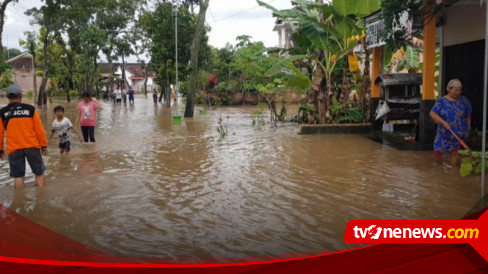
x=322 y=33
x=326 y=34
x=359 y=8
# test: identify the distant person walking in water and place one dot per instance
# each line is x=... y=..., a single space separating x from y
x=118 y=95
x=131 y=95
x=63 y=127
x=86 y=116
x=155 y=96
x=451 y=112
x=25 y=136
x=124 y=95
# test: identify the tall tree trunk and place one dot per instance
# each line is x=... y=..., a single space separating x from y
x=346 y=86
x=95 y=76
x=3 y=7
x=42 y=98
x=162 y=93
x=34 y=75
x=195 y=49
x=329 y=94
x=87 y=83
x=145 y=80
x=110 y=87
x=68 y=97
x=123 y=73
x=69 y=80
x=366 y=87
x=113 y=68
x=320 y=90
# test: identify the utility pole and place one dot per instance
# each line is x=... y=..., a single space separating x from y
x=176 y=46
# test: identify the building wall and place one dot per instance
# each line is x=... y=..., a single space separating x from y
x=464 y=22
x=138 y=85
x=23 y=73
x=25 y=80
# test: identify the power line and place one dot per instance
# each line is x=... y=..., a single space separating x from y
x=22 y=6
x=215 y=21
x=18 y=12
x=241 y=12
x=10 y=35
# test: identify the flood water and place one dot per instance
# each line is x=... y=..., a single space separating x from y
x=152 y=188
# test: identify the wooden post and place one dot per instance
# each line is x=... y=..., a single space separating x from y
x=427 y=127
x=375 y=88
x=375 y=72
x=429 y=55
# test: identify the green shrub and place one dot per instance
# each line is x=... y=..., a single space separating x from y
x=6 y=78
x=73 y=93
x=184 y=87
x=203 y=77
x=303 y=113
x=351 y=115
x=471 y=163
x=55 y=92
x=227 y=86
x=199 y=100
x=29 y=94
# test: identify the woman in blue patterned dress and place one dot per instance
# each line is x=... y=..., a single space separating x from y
x=452 y=111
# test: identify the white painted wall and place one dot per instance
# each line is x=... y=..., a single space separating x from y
x=127 y=75
x=138 y=85
x=465 y=22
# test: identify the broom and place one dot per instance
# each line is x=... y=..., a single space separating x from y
x=463 y=144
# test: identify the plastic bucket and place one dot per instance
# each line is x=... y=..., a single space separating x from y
x=176 y=118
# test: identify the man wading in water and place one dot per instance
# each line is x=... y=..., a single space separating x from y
x=26 y=138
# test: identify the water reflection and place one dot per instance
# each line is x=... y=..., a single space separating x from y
x=151 y=188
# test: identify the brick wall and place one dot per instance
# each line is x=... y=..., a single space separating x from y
x=25 y=80
x=23 y=73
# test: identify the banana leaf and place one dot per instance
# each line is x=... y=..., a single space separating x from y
x=316 y=35
x=286 y=14
x=278 y=67
x=299 y=80
x=360 y=8
x=412 y=57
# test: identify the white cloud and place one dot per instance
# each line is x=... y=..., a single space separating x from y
x=233 y=18
x=17 y=23
x=227 y=18
x=9 y=20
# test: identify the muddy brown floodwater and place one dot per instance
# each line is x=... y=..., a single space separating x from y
x=150 y=188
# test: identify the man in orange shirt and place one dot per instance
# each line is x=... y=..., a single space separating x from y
x=26 y=138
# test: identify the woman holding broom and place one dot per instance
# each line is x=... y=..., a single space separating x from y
x=452 y=113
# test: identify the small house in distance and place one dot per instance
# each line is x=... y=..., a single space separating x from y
x=135 y=75
x=23 y=71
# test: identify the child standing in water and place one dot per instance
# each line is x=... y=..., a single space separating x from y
x=155 y=96
x=86 y=116
x=63 y=127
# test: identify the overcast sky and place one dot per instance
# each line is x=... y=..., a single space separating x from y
x=227 y=18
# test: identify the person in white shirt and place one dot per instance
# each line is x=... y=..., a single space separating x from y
x=63 y=127
x=118 y=95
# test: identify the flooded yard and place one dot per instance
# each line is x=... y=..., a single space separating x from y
x=152 y=188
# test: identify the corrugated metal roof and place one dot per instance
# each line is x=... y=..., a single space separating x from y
x=392 y=79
